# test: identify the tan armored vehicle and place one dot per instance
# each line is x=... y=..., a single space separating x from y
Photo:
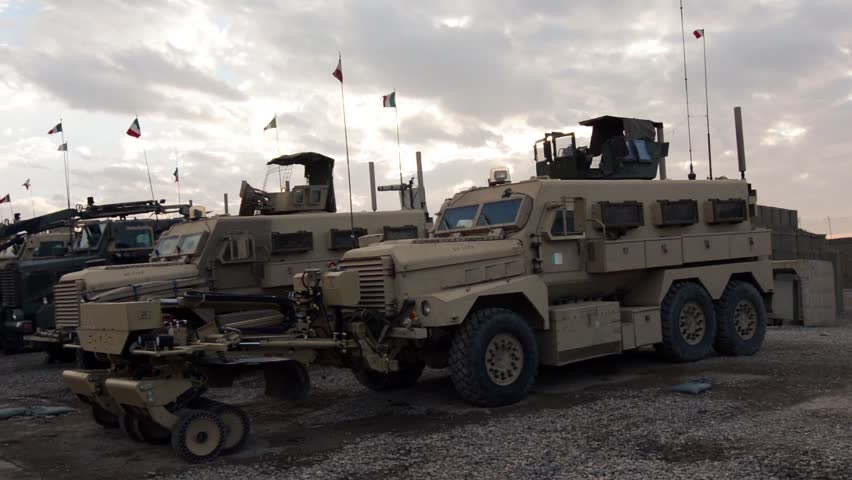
x=590 y=258
x=277 y=235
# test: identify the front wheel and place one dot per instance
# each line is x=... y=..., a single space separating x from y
x=688 y=321
x=493 y=358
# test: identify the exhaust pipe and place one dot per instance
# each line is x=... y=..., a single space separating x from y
x=738 y=126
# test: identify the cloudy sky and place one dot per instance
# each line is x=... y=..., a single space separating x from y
x=477 y=81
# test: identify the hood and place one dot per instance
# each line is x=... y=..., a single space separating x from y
x=413 y=255
x=98 y=279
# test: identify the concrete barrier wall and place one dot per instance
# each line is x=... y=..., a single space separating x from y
x=814 y=300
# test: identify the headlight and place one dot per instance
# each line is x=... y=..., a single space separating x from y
x=425 y=308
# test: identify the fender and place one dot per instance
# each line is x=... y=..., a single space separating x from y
x=451 y=307
x=714 y=278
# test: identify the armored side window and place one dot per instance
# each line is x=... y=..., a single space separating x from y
x=621 y=214
x=239 y=248
x=732 y=210
x=676 y=212
x=563 y=223
x=316 y=195
x=51 y=248
x=400 y=233
x=343 y=239
x=301 y=241
x=298 y=196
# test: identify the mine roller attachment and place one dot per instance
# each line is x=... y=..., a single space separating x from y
x=237 y=424
x=198 y=436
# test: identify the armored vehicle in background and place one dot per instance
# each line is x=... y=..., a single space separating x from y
x=89 y=237
x=276 y=235
x=590 y=258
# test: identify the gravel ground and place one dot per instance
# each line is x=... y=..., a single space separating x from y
x=785 y=413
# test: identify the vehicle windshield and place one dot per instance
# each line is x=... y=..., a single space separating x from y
x=90 y=237
x=49 y=248
x=171 y=246
x=492 y=213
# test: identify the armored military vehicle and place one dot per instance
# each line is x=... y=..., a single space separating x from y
x=276 y=235
x=589 y=258
x=90 y=238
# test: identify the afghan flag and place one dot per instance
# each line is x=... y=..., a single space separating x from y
x=177 y=177
x=56 y=129
x=272 y=123
x=338 y=72
x=63 y=147
x=389 y=100
x=135 y=131
x=26 y=184
x=5 y=199
x=698 y=33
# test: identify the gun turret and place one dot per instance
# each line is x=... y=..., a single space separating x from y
x=620 y=148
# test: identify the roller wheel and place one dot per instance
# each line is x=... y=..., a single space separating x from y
x=741 y=318
x=198 y=436
x=405 y=377
x=493 y=358
x=130 y=426
x=152 y=432
x=104 y=417
x=237 y=426
x=688 y=321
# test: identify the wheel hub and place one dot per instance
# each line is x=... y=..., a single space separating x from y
x=745 y=319
x=202 y=437
x=504 y=359
x=692 y=323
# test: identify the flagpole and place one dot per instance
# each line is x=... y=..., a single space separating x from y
x=398 y=148
x=65 y=160
x=278 y=149
x=32 y=204
x=348 y=171
x=177 y=177
x=707 y=103
x=691 y=175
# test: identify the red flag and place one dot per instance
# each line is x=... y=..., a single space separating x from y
x=698 y=33
x=338 y=72
x=134 y=130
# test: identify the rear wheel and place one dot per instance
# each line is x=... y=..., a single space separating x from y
x=405 y=377
x=152 y=432
x=198 y=436
x=741 y=315
x=688 y=322
x=493 y=358
x=130 y=426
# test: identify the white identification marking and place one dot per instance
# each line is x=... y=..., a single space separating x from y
x=557 y=258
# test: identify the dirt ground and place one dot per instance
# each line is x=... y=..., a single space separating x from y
x=784 y=413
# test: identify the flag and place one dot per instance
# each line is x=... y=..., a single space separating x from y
x=177 y=178
x=272 y=123
x=63 y=147
x=135 y=131
x=389 y=100
x=56 y=129
x=698 y=33
x=5 y=199
x=26 y=184
x=338 y=72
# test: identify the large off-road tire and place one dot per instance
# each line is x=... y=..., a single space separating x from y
x=130 y=426
x=57 y=354
x=198 y=436
x=741 y=319
x=11 y=345
x=287 y=380
x=493 y=358
x=688 y=321
x=104 y=417
x=152 y=432
x=405 y=377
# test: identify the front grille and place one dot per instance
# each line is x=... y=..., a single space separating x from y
x=376 y=276
x=66 y=300
x=8 y=288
